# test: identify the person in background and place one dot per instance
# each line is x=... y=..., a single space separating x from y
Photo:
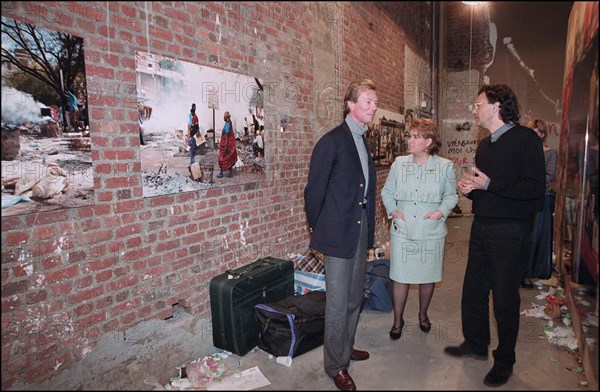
x=54 y=113
x=340 y=208
x=227 y=148
x=540 y=261
x=246 y=127
x=194 y=127
x=73 y=110
x=507 y=188
x=255 y=124
x=259 y=146
x=190 y=117
x=237 y=132
x=84 y=117
x=419 y=195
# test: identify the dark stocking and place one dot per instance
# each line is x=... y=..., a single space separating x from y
x=400 y=291
x=425 y=295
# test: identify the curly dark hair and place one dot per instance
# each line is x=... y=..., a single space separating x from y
x=509 y=106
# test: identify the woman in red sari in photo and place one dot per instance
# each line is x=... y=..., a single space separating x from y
x=227 y=148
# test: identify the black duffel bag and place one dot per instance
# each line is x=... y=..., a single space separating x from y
x=293 y=325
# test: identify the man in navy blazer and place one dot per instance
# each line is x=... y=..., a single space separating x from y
x=340 y=207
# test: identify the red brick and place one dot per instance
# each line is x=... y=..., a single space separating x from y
x=125 y=306
x=8 y=304
x=86 y=295
x=103 y=276
x=36 y=296
x=61 y=289
x=119 y=284
x=83 y=309
x=89 y=321
x=84 y=281
x=17 y=238
x=13 y=288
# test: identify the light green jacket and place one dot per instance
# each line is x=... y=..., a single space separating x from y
x=415 y=190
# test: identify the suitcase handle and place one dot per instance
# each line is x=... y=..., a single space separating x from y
x=237 y=273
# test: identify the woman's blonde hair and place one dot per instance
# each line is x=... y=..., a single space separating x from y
x=428 y=130
x=540 y=125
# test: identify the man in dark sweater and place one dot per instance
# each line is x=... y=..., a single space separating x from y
x=507 y=189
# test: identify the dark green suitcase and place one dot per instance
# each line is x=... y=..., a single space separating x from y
x=233 y=295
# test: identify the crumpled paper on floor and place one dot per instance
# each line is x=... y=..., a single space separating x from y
x=536 y=311
x=204 y=371
x=544 y=295
x=244 y=381
x=590 y=320
x=561 y=336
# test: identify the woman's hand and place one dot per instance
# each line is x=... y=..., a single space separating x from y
x=434 y=215
x=398 y=215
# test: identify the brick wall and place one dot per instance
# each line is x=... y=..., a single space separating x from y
x=458 y=37
x=71 y=276
x=375 y=38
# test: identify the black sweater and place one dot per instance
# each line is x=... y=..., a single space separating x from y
x=515 y=165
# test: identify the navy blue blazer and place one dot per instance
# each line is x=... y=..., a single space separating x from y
x=334 y=194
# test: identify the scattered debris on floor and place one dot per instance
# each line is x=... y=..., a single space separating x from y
x=553 y=281
x=244 y=381
x=558 y=329
x=560 y=336
x=212 y=373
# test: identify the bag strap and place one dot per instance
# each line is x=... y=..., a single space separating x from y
x=291 y=317
x=374 y=264
x=378 y=262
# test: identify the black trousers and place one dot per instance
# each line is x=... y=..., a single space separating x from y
x=540 y=254
x=498 y=257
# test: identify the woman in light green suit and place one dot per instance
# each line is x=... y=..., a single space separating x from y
x=418 y=195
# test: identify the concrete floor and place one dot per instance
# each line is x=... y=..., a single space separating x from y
x=417 y=361
x=145 y=357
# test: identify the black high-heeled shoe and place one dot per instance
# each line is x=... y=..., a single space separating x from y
x=396 y=332
x=425 y=325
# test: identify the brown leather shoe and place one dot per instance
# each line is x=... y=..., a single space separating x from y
x=343 y=381
x=359 y=355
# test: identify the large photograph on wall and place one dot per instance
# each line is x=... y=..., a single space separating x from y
x=46 y=149
x=577 y=198
x=186 y=143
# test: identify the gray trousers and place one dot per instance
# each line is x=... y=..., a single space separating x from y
x=344 y=279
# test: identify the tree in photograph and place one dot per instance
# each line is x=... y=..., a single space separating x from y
x=52 y=58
